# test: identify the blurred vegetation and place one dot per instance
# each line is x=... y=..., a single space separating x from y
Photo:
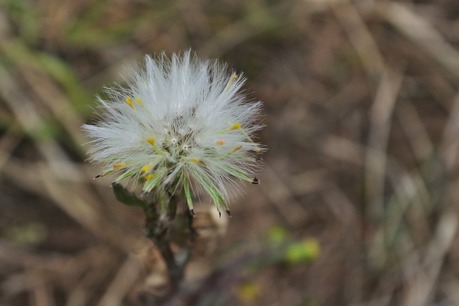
x=358 y=202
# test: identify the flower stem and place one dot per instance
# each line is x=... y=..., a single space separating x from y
x=161 y=227
x=164 y=225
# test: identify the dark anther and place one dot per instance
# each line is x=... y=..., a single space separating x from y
x=255 y=181
x=192 y=213
x=228 y=213
x=97 y=176
x=219 y=214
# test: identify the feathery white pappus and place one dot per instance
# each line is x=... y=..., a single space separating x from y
x=179 y=125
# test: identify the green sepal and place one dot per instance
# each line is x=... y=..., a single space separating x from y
x=125 y=175
x=186 y=190
x=237 y=173
x=105 y=172
x=212 y=190
x=150 y=184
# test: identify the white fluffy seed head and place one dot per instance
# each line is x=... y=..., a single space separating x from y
x=179 y=125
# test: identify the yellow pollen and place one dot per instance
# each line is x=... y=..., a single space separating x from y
x=220 y=142
x=119 y=165
x=129 y=102
x=232 y=79
x=151 y=141
x=139 y=101
x=146 y=168
x=235 y=149
x=195 y=160
x=235 y=126
x=148 y=177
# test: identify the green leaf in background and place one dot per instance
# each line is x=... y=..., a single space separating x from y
x=45 y=131
x=17 y=54
x=64 y=74
x=25 y=15
x=248 y=291
x=27 y=234
x=277 y=235
x=304 y=251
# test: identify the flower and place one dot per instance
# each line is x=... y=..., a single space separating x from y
x=179 y=125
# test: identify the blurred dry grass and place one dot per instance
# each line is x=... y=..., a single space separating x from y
x=362 y=114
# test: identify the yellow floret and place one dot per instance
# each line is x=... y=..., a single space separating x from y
x=235 y=126
x=146 y=168
x=151 y=140
x=235 y=149
x=119 y=165
x=129 y=102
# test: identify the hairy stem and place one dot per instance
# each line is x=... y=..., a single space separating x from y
x=159 y=227
x=165 y=225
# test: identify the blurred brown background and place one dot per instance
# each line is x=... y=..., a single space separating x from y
x=359 y=196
